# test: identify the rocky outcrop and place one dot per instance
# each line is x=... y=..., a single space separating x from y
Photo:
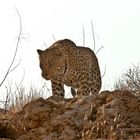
x=108 y=115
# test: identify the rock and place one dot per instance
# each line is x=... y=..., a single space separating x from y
x=109 y=115
x=7 y=130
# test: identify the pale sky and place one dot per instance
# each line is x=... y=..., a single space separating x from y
x=116 y=26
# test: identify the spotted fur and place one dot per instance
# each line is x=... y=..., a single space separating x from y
x=75 y=66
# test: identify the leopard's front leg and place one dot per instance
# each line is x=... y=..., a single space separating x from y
x=57 y=88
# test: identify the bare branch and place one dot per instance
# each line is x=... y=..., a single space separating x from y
x=15 y=67
x=15 y=53
x=83 y=36
x=53 y=37
x=104 y=72
x=99 y=49
x=93 y=36
x=45 y=44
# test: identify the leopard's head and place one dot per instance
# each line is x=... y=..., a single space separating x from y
x=52 y=63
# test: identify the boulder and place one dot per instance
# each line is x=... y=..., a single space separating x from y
x=108 y=115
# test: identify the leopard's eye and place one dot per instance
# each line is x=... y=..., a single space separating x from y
x=50 y=63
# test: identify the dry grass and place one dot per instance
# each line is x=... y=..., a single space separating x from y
x=15 y=100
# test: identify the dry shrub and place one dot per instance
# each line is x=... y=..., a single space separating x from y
x=130 y=80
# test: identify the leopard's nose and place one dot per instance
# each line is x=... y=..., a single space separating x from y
x=44 y=74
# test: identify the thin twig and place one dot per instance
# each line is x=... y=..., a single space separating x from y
x=93 y=36
x=15 y=53
x=15 y=67
x=99 y=49
x=83 y=36
x=104 y=72
x=53 y=37
x=45 y=44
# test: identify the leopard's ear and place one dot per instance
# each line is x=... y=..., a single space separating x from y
x=39 y=52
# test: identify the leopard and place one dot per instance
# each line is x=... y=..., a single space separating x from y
x=65 y=63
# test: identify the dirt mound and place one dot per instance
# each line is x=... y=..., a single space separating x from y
x=108 y=115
